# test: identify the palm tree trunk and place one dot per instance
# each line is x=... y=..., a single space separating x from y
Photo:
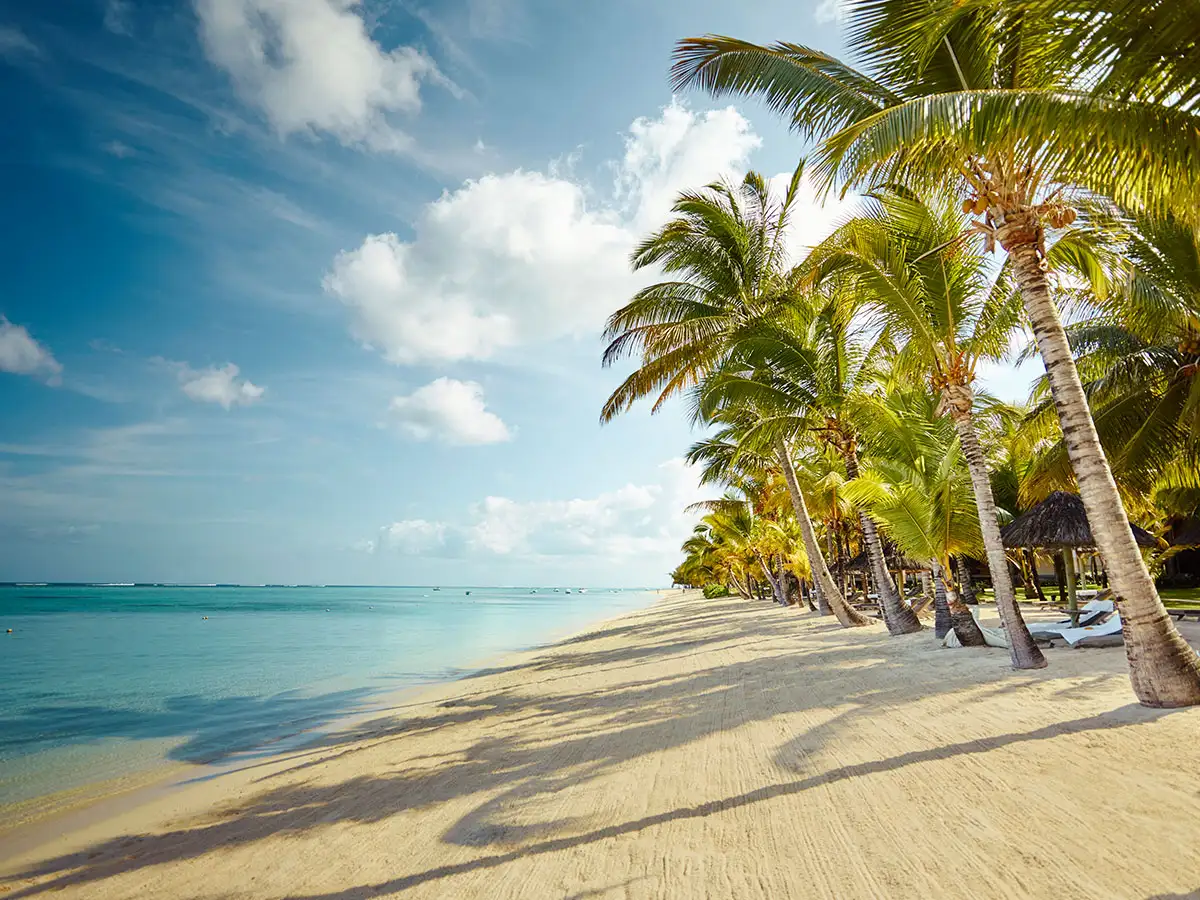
x=1164 y=670
x=737 y=586
x=941 y=609
x=771 y=580
x=897 y=615
x=1031 y=561
x=822 y=604
x=966 y=587
x=961 y=620
x=806 y=594
x=847 y=615
x=1022 y=650
x=966 y=629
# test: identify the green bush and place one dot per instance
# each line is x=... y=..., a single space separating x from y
x=715 y=590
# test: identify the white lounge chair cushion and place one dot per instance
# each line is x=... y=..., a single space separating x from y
x=1088 y=613
x=1073 y=635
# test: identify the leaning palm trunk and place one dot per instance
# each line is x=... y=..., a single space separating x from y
x=742 y=590
x=957 y=614
x=776 y=592
x=1164 y=670
x=822 y=604
x=846 y=614
x=966 y=589
x=897 y=615
x=1021 y=647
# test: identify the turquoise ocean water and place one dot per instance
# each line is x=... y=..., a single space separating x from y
x=98 y=682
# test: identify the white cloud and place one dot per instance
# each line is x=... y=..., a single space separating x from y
x=680 y=150
x=218 y=385
x=311 y=66
x=22 y=355
x=414 y=536
x=812 y=219
x=632 y=521
x=524 y=256
x=830 y=11
x=450 y=411
x=15 y=45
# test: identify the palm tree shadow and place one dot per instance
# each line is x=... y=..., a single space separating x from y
x=600 y=730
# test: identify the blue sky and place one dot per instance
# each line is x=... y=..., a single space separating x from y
x=310 y=290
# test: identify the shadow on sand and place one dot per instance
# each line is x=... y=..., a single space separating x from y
x=600 y=729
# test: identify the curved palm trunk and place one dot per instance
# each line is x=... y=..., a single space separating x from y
x=1021 y=647
x=897 y=615
x=957 y=614
x=743 y=592
x=822 y=604
x=848 y=616
x=1164 y=670
x=776 y=592
x=966 y=587
x=806 y=594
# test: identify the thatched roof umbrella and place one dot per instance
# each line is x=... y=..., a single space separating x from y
x=1060 y=523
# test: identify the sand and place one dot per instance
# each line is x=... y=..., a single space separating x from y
x=715 y=749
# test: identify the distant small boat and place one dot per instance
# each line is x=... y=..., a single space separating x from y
x=568 y=590
x=468 y=593
x=583 y=590
x=437 y=589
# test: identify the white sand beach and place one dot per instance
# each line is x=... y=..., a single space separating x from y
x=715 y=749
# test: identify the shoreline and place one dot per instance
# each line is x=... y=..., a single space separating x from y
x=28 y=825
x=691 y=749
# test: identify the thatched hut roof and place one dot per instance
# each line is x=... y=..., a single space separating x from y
x=1060 y=521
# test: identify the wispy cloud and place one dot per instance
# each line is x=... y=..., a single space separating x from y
x=614 y=525
x=15 y=45
x=118 y=17
x=119 y=149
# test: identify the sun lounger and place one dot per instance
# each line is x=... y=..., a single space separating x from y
x=1078 y=636
x=1089 y=614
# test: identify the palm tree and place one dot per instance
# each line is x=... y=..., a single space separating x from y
x=916 y=486
x=808 y=366
x=722 y=459
x=1139 y=358
x=902 y=256
x=1133 y=49
x=763 y=410
x=844 y=367
x=726 y=255
x=972 y=95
